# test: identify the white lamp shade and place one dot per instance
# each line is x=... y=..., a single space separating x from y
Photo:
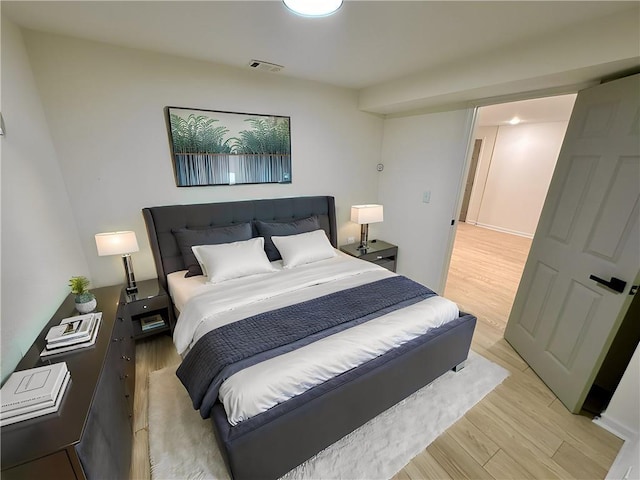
x=116 y=243
x=313 y=8
x=366 y=214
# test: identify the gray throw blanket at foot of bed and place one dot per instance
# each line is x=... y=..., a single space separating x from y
x=232 y=347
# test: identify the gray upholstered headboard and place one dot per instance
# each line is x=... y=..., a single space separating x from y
x=161 y=220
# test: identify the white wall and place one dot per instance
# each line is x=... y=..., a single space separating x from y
x=422 y=153
x=521 y=166
x=104 y=106
x=40 y=246
x=622 y=417
x=624 y=407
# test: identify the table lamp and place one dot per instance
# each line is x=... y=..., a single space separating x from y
x=364 y=215
x=120 y=243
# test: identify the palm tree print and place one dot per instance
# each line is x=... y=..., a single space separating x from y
x=206 y=153
x=266 y=136
x=197 y=134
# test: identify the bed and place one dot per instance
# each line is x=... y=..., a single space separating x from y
x=261 y=439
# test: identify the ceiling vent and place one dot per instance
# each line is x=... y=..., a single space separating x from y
x=266 y=66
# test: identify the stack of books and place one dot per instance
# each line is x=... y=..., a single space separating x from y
x=151 y=322
x=32 y=393
x=73 y=333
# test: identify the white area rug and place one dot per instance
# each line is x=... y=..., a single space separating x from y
x=182 y=445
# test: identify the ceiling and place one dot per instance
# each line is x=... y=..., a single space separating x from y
x=549 y=109
x=365 y=43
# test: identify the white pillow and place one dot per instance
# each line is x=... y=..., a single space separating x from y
x=196 y=252
x=304 y=248
x=232 y=260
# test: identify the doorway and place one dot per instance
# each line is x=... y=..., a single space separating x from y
x=515 y=149
x=488 y=207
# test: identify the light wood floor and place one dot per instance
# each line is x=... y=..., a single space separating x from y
x=518 y=431
x=485 y=271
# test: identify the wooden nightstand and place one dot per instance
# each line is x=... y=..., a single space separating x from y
x=378 y=252
x=149 y=309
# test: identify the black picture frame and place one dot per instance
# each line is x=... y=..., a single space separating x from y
x=215 y=147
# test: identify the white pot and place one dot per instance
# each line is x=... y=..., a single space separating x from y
x=87 y=306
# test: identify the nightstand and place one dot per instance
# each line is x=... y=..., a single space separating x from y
x=149 y=309
x=378 y=252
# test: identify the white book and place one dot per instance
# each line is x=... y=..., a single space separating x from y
x=40 y=412
x=34 y=386
x=70 y=328
x=84 y=335
x=94 y=335
x=37 y=406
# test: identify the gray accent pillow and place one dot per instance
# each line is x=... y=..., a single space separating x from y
x=283 y=229
x=187 y=238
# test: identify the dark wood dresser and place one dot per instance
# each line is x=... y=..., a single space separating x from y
x=90 y=436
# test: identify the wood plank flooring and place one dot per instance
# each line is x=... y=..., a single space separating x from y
x=518 y=431
x=485 y=271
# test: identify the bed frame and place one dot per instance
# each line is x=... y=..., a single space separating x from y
x=329 y=411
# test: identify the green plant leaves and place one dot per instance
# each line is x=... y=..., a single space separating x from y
x=197 y=134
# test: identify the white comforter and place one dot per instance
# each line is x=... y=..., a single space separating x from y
x=260 y=387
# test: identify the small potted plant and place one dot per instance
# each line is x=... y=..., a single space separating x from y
x=85 y=300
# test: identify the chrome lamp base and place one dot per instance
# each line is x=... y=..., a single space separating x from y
x=364 y=237
x=128 y=270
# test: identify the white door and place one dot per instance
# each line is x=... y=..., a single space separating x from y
x=562 y=322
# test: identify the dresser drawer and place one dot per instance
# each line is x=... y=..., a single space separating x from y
x=43 y=468
x=380 y=255
x=386 y=263
x=147 y=305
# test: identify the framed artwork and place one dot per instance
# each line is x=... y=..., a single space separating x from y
x=210 y=147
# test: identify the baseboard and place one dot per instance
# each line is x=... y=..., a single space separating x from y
x=627 y=461
x=615 y=427
x=504 y=230
x=626 y=466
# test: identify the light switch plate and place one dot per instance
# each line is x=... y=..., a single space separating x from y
x=426 y=196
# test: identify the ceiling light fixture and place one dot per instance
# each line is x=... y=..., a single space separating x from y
x=514 y=121
x=313 y=8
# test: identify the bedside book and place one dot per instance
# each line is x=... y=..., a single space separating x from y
x=83 y=332
x=149 y=323
x=71 y=328
x=57 y=349
x=35 y=386
x=33 y=411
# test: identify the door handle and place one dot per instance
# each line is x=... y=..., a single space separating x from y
x=614 y=284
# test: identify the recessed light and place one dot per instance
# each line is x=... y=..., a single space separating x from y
x=313 y=8
x=514 y=121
